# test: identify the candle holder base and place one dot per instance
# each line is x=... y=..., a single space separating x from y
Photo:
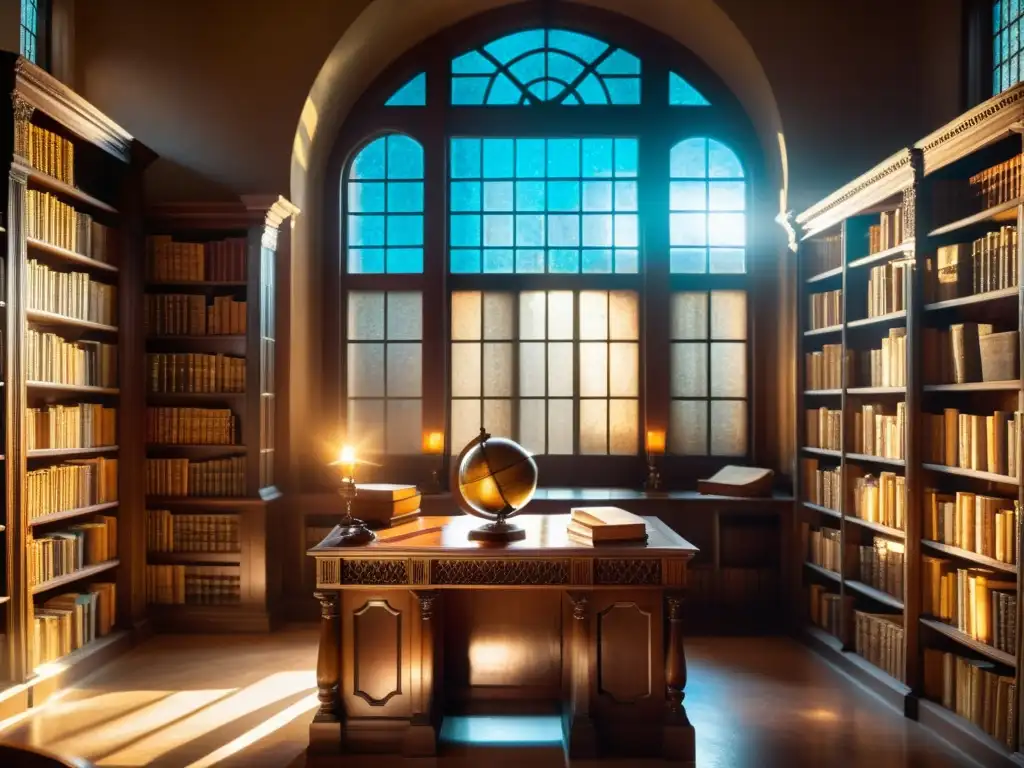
x=433 y=485
x=497 y=533
x=349 y=532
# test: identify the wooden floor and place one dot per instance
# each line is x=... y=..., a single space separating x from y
x=246 y=701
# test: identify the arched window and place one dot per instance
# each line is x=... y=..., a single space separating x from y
x=549 y=239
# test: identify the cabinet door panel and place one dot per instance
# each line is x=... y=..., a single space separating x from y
x=375 y=652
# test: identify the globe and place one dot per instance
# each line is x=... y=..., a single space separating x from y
x=497 y=477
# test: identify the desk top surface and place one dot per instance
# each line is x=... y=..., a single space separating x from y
x=545 y=535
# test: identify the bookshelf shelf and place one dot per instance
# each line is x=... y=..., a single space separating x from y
x=974 y=557
x=70 y=578
x=824 y=331
x=876 y=391
x=45 y=180
x=83 y=389
x=875 y=594
x=1000 y=213
x=56 y=453
x=67 y=514
x=879 y=320
x=229 y=448
x=207 y=337
x=195 y=395
x=826 y=275
x=896 y=533
x=976 y=298
x=68 y=255
x=189 y=558
x=822 y=451
x=975 y=386
x=984 y=649
x=822 y=392
x=974 y=474
x=866 y=458
x=49 y=318
x=823 y=510
x=881 y=257
x=823 y=572
x=155 y=285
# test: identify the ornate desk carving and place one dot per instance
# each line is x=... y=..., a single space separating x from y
x=384 y=616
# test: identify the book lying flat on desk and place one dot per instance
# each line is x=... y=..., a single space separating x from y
x=596 y=524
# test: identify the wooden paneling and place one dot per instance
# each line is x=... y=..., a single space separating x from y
x=624 y=642
x=376 y=655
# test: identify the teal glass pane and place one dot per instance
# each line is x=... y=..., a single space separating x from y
x=369 y=163
x=563 y=195
x=590 y=91
x=366 y=197
x=727 y=195
x=722 y=161
x=564 y=158
x=412 y=94
x=365 y=260
x=688 y=196
x=563 y=68
x=504 y=92
x=465 y=260
x=405 y=197
x=498 y=154
x=498 y=196
x=563 y=231
x=571 y=99
x=597 y=195
x=528 y=68
x=688 y=159
x=405 y=230
x=465 y=196
x=539 y=89
x=619 y=62
x=472 y=63
x=499 y=260
x=497 y=230
x=1014 y=39
x=997 y=16
x=564 y=261
x=510 y=46
x=465 y=230
x=530 y=158
x=597 y=230
x=366 y=230
x=530 y=196
x=687 y=260
x=556 y=89
x=597 y=158
x=582 y=46
x=727 y=229
x=404 y=260
x=623 y=90
x=469 y=91
x=405 y=158
x=626 y=230
x=625 y=157
x=465 y=159
x=682 y=94
x=625 y=196
x=597 y=260
x=627 y=261
x=530 y=231
x=997 y=53
x=688 y=229
x=529 y=261
x=728 y=261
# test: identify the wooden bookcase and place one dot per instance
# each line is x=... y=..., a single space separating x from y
x=257 y=225
x=106 y=185
x=919 y=180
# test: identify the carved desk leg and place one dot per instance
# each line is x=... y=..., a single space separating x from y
x=421 y=738
x=679 y=738
x=325 y=730
x=582 y=741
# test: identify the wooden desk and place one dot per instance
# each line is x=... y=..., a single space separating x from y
x=422 y=622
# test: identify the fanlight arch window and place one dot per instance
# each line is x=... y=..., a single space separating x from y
x=547 y=239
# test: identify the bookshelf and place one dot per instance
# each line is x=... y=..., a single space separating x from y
x=70 y=284
x=210 y=288
x=958 y=292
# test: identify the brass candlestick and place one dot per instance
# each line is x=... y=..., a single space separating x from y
x=655 y=447
x=350 y=531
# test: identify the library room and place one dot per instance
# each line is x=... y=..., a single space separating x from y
x=562 y=383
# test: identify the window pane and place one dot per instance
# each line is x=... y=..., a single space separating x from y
x=728 y=314
x=689 y=370
x=560 y=315
x=560 y=426
x=497 y=369
x=624 y=314
x=593 y=427
x=366 y=197
x=729 y=428
x=466 y=315
x=365 y=370
x=405 y=315
x=498 y=196
x=412 y=94
x=498 y=310
x=466 y=418
x=624 y=417
x=533 y=425
x=532 y=369
x=728 y=370
x=690 y=315
x=594 y=369
x=688 y=260
x=498 y=155
x=366 y=425
x=624 y=364
x=405 y=374
x=593 y=315
x=688 y=428
x=366 y=315
x=532 y=315
x=404 y=427
x=560 y=369
x=465 y=370
x=498 y=417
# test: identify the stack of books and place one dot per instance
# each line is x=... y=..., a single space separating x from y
x=594 y=525
x=67 y=622
x=383 y=504
x=828 y=609
x=887 y=289
x=970 y=441
x=974 y=690
x=826 y=309
x=880 y=499
x=887 y=233
x=885 y=367
x=823 y=487
x=877 y=431
x=825 y=429
x=881 y=565
x=823 y=254
x=879 y=639
x=822 y=546
x=987 y=525
x=195 y=372
x=823 y=370
x=980 y=603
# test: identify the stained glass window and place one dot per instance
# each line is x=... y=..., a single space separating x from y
x=412 y=94
x=30 y=30
x=384 y=195
x=513 y=364
x=1007 y=67
x=385 y=381
x=708 y=412
x=682 y=94
x=545 y=65
x=707 y=218
x=565 y=205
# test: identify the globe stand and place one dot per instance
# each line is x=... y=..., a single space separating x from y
x=350 y=531
x=497 y=532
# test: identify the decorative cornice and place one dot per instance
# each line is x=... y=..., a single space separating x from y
x=987 y=123
x=892 y=175
x=267 y=211
x=46 y=93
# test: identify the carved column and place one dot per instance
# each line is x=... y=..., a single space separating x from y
x=679 y=740
x=325 y=730
x=582 y=738
x=421 y=738
x=22 y=118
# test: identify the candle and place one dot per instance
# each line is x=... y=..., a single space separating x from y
x=433 y=443
x=655 y=442
x=347 y=460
